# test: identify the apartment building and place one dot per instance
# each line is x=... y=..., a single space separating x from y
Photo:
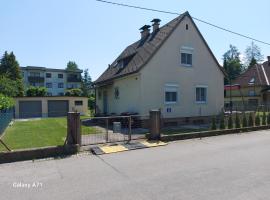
x=57 y=81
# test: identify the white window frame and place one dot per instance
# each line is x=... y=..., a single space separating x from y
x=171 y=88
x=206 y=98
x=186 y=50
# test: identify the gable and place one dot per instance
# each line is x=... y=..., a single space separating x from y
x=138 y=54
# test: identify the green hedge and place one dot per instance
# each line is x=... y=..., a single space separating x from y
x=6 y=102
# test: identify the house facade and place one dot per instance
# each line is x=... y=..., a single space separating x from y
x=170 y=68
x=251 y=89
x=55 y=80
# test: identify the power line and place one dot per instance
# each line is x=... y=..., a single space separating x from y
x=175 y=13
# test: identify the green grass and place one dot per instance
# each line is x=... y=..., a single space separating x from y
x=39 y=133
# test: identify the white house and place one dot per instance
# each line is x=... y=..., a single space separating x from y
x=170 y=68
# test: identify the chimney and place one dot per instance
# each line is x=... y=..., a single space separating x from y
x=155 y=24
x=145 y=31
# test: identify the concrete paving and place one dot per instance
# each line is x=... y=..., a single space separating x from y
x=217 y=168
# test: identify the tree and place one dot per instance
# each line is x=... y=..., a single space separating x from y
x=9 y=67
x=86 y=83
x=6 y=102
x=72 y=66
x=232 y=63
x=8 y=87
x=253 y=54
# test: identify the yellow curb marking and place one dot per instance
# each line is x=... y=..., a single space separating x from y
x=113 y=149
x=153 y=144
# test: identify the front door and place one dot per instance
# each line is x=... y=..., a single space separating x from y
x=105 y=102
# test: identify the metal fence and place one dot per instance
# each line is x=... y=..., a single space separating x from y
x=5 y=118
x=98 y=130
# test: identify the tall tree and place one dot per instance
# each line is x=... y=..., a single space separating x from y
x=72 y=66
x=86 y=83
x=253 y=54
x=9 y=67
x=232 y=62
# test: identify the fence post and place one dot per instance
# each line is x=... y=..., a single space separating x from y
x=154 y=125
x=107 y=129
x=73 y=128
x=129 y=128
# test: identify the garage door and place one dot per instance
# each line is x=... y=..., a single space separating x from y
x=57 y=108
x=30 y=109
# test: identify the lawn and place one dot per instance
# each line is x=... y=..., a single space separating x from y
x=39 y=133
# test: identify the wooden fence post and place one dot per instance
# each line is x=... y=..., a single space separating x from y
x=73 y=128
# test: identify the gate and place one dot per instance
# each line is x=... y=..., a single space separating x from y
x=98 y=130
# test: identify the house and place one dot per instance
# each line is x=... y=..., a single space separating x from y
x=55 y=80
x=251 y=88
x=170 y=68
x=49 y=106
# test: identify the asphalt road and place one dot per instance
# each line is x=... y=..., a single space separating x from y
x=230 y=167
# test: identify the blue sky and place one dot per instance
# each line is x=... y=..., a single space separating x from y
x=49 y=33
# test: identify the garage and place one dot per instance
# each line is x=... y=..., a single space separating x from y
x=30 y=109
x=57 y=108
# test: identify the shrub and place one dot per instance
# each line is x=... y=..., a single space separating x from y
x=214 y=126
x=257 y=120
x=230 y=122
x=244 y=120
x=250 y=120
x=268 y=118
x=6 y=102
x=91 y=102
x=237 y=121
x=222 y=123
x=9 y=87
x=36 y=91
x=264 y=118
x=76 y=92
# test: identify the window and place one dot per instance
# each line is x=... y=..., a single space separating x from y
x=116 y=93
x=78 y=103
x=48 y=85
x=251 y=93
x=35 y=74
x=171 y=93
x=60 y=85
x=186 y=26
x=60 y=76
x=201 y=94
x=186 y=56
x=48 y=75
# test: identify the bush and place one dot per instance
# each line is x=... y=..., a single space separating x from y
x=237 y=121
x=6 y=102
x=268 y=118
x=213 y=126
x=9 y=87
x=264 y=118
x=250 y=120
x=222 y=123
x=36 y=91
x=91 y=102
x=230 y=122
x=75 y=92
x=257 y=120
x=244 y=120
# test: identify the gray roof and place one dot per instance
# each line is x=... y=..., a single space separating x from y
x=49 y=69
x=136 y=55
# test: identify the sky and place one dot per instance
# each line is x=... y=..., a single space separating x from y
x=50 y=33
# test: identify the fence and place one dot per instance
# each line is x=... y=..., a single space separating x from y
x=5 y=118
x=110 y=129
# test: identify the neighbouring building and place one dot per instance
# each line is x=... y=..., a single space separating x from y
x=55 y=80
x=170 y=68
x=50 y=106
x=251 y=89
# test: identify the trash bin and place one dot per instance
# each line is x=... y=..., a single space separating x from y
x=117 y=127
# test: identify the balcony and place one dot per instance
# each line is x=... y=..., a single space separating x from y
x=35 y=79
x=74 y=79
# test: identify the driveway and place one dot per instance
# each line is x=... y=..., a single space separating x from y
x=217 y=168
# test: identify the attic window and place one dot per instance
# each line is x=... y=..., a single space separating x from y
x=252 y=81
x=186 y=26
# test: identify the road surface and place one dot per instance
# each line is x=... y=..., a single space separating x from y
x=216 y=168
